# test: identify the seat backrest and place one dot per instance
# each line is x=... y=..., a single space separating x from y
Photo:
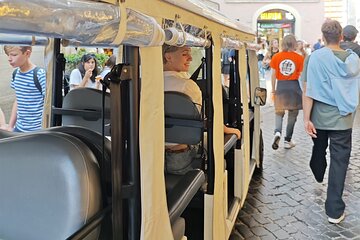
x=87 y=99
x=94 y=141
x=50 y=186
x=183 y=122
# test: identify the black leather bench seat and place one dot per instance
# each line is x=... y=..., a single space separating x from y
x=50 y=186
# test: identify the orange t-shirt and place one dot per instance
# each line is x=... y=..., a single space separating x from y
x=288 y=65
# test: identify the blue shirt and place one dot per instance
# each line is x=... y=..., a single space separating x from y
x=333 y=81
x=30 y=101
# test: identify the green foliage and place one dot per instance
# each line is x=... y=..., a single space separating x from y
x=73 y=59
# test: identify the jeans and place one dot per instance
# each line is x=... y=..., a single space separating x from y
x=182 y=162
x=261 y=69
x=292 y=116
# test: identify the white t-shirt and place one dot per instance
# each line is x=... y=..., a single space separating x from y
x=181 y=82
x=76 y=78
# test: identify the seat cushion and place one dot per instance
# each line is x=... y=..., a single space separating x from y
x=50 y=186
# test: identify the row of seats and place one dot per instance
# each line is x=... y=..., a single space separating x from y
x=50 y=183
x=56 y=176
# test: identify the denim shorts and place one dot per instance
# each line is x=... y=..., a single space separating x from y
x=182 y=162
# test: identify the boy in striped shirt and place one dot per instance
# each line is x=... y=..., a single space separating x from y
x=26 y=114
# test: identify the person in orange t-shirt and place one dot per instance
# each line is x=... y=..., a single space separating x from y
x=286 y=68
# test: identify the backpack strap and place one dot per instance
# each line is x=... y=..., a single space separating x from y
x=13 y=74
x=35 y=77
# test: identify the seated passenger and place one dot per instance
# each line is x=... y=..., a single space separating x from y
x=84 y=75
x=180 y=158
x=109 y=64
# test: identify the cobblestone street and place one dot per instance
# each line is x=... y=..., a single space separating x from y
x=286 y=202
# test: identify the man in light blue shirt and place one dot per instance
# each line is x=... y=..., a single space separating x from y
x=330 y=83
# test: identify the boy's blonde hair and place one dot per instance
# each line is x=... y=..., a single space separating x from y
x=23 y=49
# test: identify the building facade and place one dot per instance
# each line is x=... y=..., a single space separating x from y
x=275 y=19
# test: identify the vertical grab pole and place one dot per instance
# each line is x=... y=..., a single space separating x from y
x=232 y=94
x=57 y=82
x=238 y=108
x=210 y=120
x=131 y=56
x=120 y=75
x=116 y=159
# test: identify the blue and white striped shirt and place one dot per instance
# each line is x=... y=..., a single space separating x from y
x=30 y=102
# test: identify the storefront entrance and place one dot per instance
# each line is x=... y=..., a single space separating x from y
x=275 y=23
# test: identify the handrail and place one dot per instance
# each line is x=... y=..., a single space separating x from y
x=80 y=22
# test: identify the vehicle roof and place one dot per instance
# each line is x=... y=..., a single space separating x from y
x=206 y=11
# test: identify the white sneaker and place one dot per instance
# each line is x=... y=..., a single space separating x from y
x=288 y=145
x=276 y=141
x=336 y=220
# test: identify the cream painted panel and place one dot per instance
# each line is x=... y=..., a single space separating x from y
x=49 y=64
x=254 y=74
x=219 y=217
x=154 y=210
x=246 y=126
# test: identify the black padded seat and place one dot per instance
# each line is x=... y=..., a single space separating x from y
x=88 y=99
x=92 y=139
x=179 y=196
x=183 y=191
x=50 y=186
x=183 y=122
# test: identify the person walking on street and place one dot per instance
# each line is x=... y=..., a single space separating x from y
x=29 y=83
x=286 y=68
x=260 y=56
x=226 y=58
x=300 y=49
x=317 y=45
x=330 y=84
x=273 y=49
x=349 y=36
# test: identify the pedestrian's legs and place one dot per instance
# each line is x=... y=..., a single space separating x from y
x=261 y=69
x=292 y=116
x=279 y=115
x=318 y=157
x=340 y=149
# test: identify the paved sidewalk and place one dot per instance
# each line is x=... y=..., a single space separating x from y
x=286 y=202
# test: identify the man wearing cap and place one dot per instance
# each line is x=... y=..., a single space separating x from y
x=349 y=35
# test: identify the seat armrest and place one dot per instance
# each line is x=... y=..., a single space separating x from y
x=182 y=193
x=229 y=142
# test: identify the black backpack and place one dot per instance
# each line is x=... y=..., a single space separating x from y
x=36 y=80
